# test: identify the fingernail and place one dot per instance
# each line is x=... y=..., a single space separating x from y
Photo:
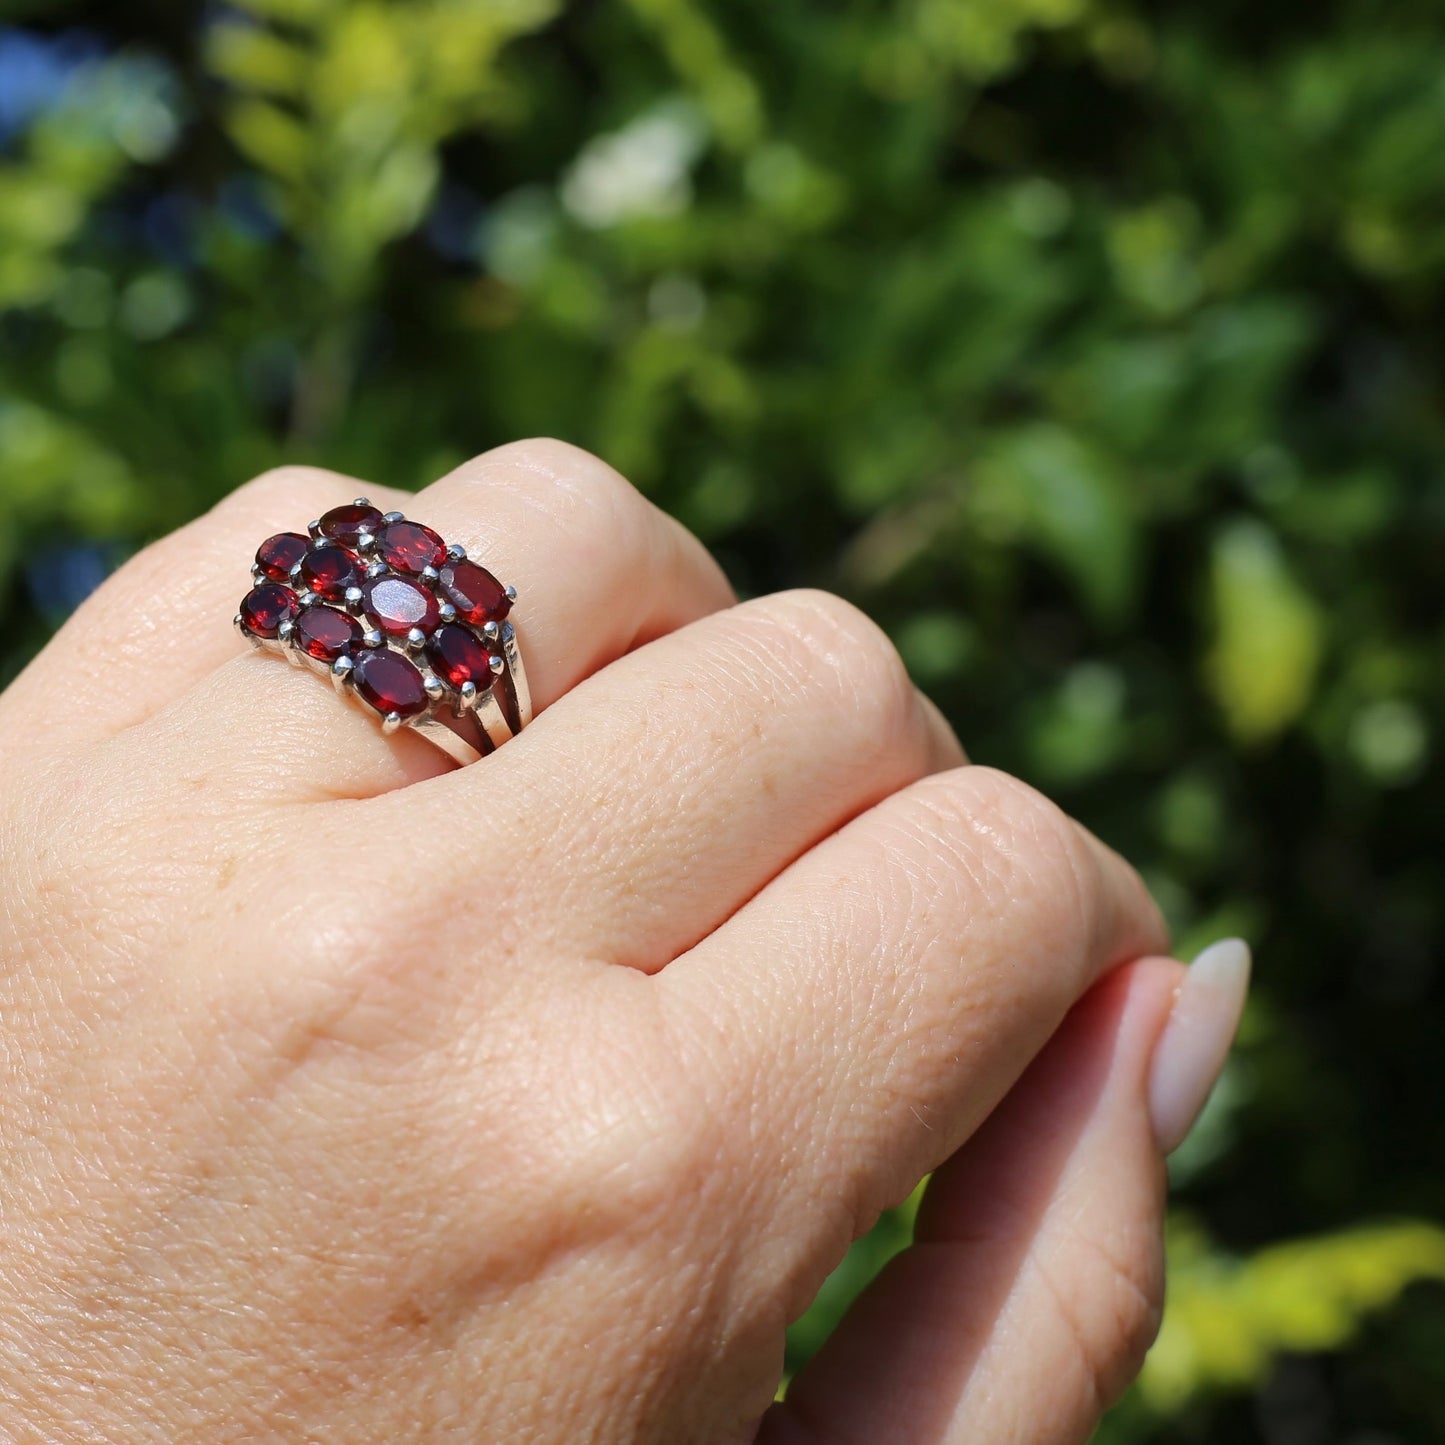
x=1191 y=1051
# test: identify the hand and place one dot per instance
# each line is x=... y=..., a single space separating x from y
x=347 y=1096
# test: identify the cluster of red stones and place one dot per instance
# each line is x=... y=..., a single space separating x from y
x=370 y=595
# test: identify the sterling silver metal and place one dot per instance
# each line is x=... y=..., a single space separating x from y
x=465 y=723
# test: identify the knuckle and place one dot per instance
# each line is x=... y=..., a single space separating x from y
x=278 y=491
x=566 y=474
x=831 y=643
x=1040 y=836
x=1013 y=863
x=1112 y=1306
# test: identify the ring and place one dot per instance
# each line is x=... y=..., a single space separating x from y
x=406 y=625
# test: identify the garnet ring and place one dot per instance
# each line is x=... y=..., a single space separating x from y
x=408 y=626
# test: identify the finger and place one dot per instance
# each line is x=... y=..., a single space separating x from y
x=598 y=570
x=675 y=783
x=1034 y=1285
x=880 y=996
x=162 y=622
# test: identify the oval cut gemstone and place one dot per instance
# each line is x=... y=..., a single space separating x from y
x=475 y=593
x=397 y=604
x=346 y=524
x=324 y=633
x=277 y=555
x=265 y=608
x=458 y=658
x=329 y=571
x=389 y=682
x=410 y=547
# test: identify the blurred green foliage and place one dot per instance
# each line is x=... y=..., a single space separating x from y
x=1092 y=345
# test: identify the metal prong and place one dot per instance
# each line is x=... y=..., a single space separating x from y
x=295 y=573
x=307 y=598
x=372 y=637
x=491 y=631
x=430 y=575
x=361 y=502
x=377 y=569
x=353 y=599
x=415 y=640
x=340 y=672
x=467 y=699
x=436 y=689
x=447 y=612
x=365 y=542
x=391 y=517
x=511 y=594
x=285 y=631
x=315 y=529
x=496 y=664
x=390 y=723
x=457 y=552
x=257 y=575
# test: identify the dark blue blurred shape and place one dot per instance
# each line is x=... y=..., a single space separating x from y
x=170 y=228
x=63 y=574
x=452 y=225
x=243 y=204
x=35 y=70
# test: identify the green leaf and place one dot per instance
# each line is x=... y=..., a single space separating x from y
x=1269 y=634
x=1066 y=497
x=1227 y=1318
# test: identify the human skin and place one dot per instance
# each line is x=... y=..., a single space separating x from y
x=346 y=1095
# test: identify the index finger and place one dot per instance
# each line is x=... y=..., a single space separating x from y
x=879 y=997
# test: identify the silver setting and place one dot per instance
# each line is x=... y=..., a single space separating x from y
x=466 y=722
x=511 y=593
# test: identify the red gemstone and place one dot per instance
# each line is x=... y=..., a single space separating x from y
x=347 y=524
x=389 y=682
x=324 y=633
x=265 y=608
x=475 y=593
x=277 y=555
x=329 y=571
x=458 y=658
x=397 y=604
x=410 y=547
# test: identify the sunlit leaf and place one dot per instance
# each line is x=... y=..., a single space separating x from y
x=1269 y=634
x=1227 y=1318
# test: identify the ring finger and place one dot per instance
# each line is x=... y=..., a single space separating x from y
x=598 y=570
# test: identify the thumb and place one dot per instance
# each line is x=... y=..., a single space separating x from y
x=1035 y=1282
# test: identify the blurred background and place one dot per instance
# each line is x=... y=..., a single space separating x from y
x=1096 y=347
